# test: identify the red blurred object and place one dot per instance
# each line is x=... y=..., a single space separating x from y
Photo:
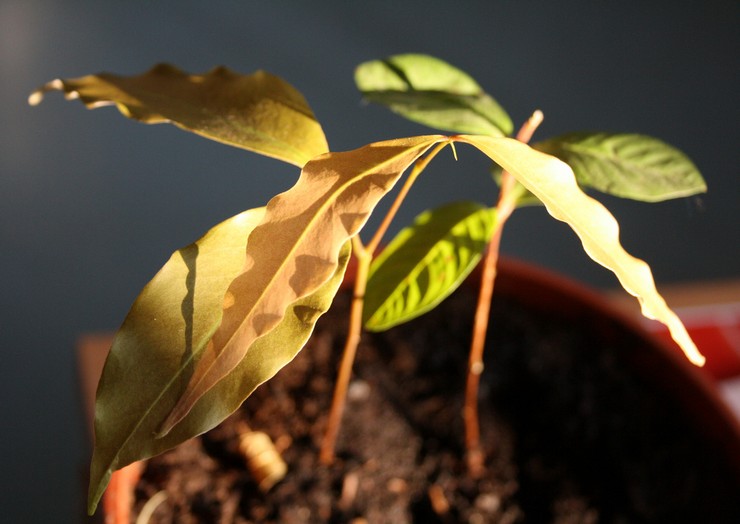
x=716 y=332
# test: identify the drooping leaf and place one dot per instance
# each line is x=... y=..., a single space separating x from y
x=295 y=248
x=430 y=91
x=165 y=334
x=426 y=262
x=522 y=196
x=554 y=183
x=259 y=112
x=627 y=165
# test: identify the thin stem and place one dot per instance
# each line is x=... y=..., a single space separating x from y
x=364 y=256
x=506 y=205
x=419 y=166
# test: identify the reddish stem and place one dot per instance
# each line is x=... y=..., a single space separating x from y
x=505 y=207
x=364 y=256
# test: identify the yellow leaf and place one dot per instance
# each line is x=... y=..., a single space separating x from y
x=554 y=183
x=165 y=333
x=259 y=112
x=295 y=249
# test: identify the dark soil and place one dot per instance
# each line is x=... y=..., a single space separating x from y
x=572 y=436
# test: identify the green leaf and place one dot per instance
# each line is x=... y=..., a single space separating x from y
x=164 y=335
x=259 y=112
x=554 y=183
x=294 y=250
x=627 y=165
x=432 y=92
x=425 y=263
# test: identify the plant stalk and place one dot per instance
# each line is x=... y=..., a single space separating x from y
x=506 y=205
x=364 y=255
x=419 y=166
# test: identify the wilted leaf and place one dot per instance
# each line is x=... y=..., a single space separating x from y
x=295 y=248
x=426 y=262
x=165 y=334
x=432 y=92
x=259 y=112
x=554 y=183
x=627 y=165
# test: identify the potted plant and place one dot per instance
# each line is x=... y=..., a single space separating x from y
x=225 y=314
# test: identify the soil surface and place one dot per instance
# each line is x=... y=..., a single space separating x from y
x=571 y=436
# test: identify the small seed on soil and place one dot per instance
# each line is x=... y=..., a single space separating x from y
x=397 y=485
x=440 y=505
x=349 y=490
x=488 y=502
x=358 y=391
x=263 y=460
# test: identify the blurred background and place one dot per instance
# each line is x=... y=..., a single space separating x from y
x=93 y=204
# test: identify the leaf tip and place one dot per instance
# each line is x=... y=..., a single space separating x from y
x=37 y=96
x=454 y=150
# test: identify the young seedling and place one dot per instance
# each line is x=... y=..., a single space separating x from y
x=226 y=313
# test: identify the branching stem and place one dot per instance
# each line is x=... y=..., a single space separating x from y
x=418 y=168
x=508 y=196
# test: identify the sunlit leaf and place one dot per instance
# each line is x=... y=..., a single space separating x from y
x=426 y=262
x=430 y=91
x=295 y=248
x=554 y=183
x=627 y=165
x=259 y=112
x=164 y=335
x=522 y=196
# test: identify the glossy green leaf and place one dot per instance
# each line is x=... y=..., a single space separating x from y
x=627 y=165
x=426 y=262
x=164 y=335
x=554 y=183
x=294 y=250
x=259 y=112
x=430 y=91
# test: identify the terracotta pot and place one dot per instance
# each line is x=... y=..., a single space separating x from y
x=653 y=359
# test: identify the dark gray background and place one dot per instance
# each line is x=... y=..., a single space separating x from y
x=93 y=204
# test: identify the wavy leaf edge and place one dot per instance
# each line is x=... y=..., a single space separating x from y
x=554 y=183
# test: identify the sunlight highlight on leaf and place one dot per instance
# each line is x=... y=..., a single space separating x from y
x=426 y=262
x=259 y=112
x=165 y=334
x=554 y=183
x=295 y=249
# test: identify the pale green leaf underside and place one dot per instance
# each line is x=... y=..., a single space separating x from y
x=426 y=262
x=258 y=112
x=294 y=249
x=162 y=338
x=627 y=165
x=432 y=92
x=554 y=183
